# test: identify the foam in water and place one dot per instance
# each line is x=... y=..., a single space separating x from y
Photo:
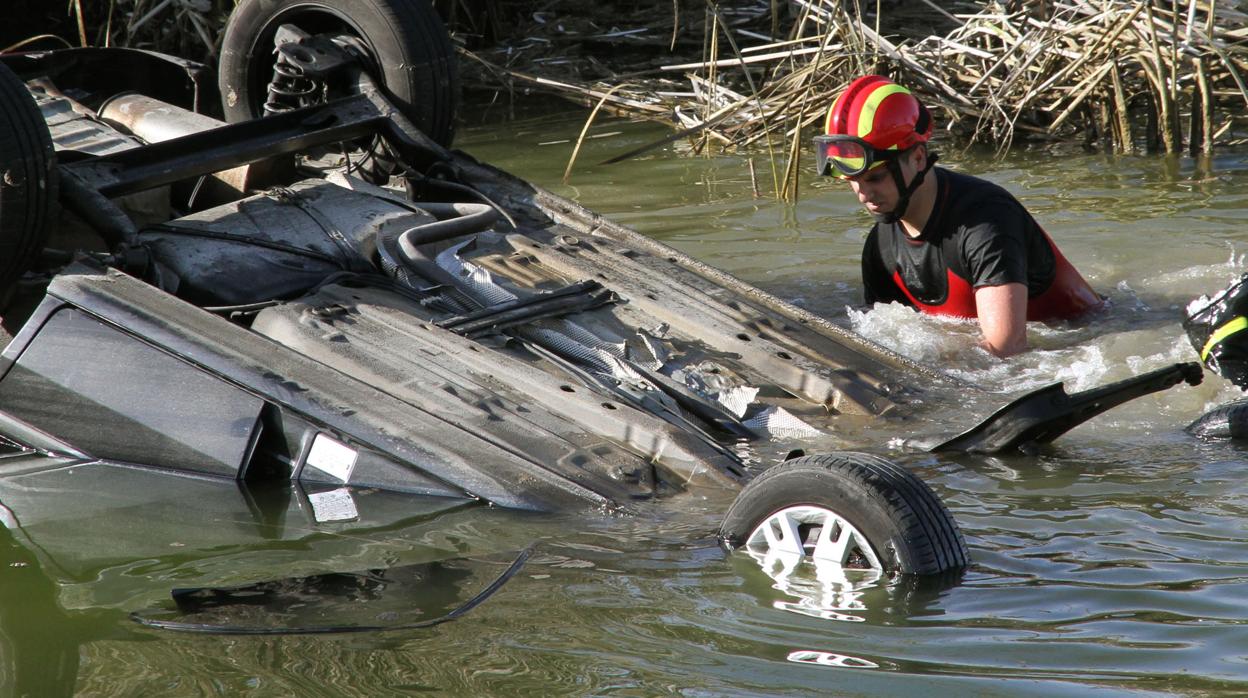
x=1131 y=336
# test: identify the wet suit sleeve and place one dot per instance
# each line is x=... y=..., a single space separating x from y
x=877 y=282
x=993 y=244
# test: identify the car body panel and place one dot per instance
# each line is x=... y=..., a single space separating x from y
x=641 y=384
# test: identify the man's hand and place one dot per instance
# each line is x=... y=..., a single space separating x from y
x=1002 y=318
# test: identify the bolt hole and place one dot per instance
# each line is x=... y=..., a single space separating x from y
x=567 y=389
x=743 y=337
x=607 y=405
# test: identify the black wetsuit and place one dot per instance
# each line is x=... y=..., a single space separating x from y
x=978 y=235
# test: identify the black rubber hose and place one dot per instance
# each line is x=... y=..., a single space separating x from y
x=466 y=218
x=400 y=256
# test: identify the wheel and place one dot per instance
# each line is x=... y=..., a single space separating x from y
x=409 y=49
x=27 y=180
x=1227 y=421
x=854 y=510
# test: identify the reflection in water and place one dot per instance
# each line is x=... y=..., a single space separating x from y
x=830 y=594
x=828 y=659
x=84 y=544
x=40 y=642
x=405 y=597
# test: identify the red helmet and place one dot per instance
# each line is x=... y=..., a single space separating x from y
x=880 y=112
x=872 y=116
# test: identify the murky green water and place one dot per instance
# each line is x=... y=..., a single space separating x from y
x=1115 y=562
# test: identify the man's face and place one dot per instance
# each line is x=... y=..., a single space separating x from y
x=876 y=188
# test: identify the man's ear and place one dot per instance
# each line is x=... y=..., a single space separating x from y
x=918 y=156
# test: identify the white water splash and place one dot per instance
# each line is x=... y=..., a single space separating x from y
x=1141 y=330
x=928 y=339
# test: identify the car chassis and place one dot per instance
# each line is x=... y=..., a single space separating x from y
x=342 y=302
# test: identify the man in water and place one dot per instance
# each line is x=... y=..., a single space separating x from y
x=949 y=243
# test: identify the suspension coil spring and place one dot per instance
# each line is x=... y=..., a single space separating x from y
x=289 y=88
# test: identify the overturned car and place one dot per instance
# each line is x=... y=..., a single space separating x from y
x=284 y=275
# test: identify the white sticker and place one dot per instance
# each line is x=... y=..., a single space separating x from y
x=332 y=457
x=335 y=505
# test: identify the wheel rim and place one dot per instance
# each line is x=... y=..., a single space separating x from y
x=815 y=533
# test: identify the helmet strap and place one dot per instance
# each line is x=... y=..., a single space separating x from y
x=904 y=191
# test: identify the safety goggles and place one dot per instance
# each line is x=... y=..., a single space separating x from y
x=848 y=155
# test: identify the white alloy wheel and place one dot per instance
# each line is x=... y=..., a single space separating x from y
x=815 y=532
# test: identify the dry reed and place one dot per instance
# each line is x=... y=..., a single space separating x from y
x=1117 y=75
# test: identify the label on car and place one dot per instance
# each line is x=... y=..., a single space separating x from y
x=332 y=457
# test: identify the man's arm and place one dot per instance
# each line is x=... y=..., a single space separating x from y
x=996 y=257
x=1002 y=318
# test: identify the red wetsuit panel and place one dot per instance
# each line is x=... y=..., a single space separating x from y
x=1067 y=297
x=959 y=300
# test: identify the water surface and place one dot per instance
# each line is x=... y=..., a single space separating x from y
x=1112 y=563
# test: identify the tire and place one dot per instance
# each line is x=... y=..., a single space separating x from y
x=28 y=180
x=1227 y=421
x=874 y=514
x=406 y=40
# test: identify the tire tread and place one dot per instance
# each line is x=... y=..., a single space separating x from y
x=935 y=544
x=26 y=210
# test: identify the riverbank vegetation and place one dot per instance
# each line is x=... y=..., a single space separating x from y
x=1121 y=76
x=1115 y=75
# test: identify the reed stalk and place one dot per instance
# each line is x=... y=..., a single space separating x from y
x=1068 y=70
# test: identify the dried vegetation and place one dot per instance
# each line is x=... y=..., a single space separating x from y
x=1123 y=75
x=1115 y=75
x=189 y=28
